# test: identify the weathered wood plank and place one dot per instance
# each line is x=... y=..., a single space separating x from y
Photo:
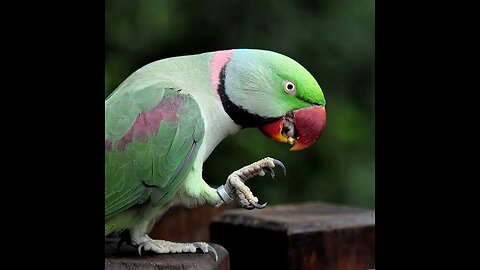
x=127 y=258
x=299 y=236
x=178 y=224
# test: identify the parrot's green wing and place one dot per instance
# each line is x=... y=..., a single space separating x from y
x=152 y=137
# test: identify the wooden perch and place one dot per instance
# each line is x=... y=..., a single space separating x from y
x=298 y=236
x=128 y=259
x=179 y=224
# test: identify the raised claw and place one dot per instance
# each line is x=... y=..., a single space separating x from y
x=257 y=205
x=208 y=249
x=280 y=164
x=270 y=171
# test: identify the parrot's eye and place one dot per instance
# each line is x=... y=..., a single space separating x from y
x=290 y=87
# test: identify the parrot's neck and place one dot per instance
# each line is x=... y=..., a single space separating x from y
x=218 y=124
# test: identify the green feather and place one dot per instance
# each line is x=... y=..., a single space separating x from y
x=147 y=170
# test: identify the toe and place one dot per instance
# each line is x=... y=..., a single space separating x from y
x=270 y=171
x=202 y=246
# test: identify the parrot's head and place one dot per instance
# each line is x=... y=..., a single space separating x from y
x=273 y=92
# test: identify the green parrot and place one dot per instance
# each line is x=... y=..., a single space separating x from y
x=165 y=119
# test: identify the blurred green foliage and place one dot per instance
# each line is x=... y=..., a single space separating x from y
x=334 y=40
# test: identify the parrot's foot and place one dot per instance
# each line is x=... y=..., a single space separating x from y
x=162 y=246
x=236 y=182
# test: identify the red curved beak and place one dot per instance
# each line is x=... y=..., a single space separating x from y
x=309 y=124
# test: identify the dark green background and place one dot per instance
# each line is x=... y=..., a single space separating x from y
x=334 y=40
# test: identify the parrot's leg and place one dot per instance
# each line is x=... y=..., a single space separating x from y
x=141 y=240
x=236 y=182
x=200 y=192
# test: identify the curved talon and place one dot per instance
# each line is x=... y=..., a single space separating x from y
x=270 y=171
x=211 y=249
x=280 y=164
x=140 y=248
x=248 y=207
x=201 y=246
x=257 y=205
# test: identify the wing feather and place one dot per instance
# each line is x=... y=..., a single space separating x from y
x=148 y=160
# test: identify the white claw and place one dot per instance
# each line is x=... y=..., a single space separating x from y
x=211 y=249
x=206 y=248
